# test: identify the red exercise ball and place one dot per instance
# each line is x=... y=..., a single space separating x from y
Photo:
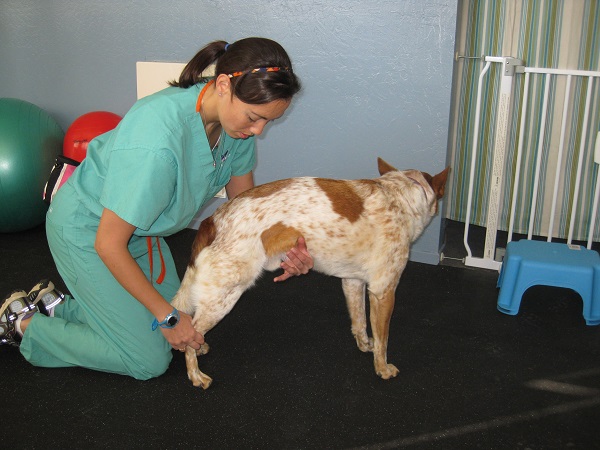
x=86 y=128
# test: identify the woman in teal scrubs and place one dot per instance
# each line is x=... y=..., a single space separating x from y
x=146 y=179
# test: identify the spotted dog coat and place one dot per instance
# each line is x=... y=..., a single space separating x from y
x=357 y=230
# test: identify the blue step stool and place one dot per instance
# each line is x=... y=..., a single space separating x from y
x=529 y=263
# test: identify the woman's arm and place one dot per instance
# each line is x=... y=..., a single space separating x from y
x=111 y=244
x=239 y=184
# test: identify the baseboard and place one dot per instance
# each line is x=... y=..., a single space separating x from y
x=425 y=257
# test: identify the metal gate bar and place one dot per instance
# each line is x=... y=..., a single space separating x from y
x=512 y=67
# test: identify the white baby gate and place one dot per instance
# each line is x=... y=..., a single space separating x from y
x=512 y=67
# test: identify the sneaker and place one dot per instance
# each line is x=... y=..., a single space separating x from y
x=45 y=296
x=15 y=306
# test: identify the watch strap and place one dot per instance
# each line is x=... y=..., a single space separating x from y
x=165 y=323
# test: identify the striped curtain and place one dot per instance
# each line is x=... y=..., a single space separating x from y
x=543 y=33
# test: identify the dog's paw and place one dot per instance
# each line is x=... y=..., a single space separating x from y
x=199 y=379
x=203 y=350
x=387 y=371
x=365 y=345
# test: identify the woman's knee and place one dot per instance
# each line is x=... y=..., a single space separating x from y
x=151 y=366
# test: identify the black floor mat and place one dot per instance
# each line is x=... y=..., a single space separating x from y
x=287 y=372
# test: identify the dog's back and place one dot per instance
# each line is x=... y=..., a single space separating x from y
x=354 y=230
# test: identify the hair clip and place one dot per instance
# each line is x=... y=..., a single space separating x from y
x=226 y=47
x=259 y=69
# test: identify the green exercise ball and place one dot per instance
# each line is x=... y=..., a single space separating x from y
x=30 y=141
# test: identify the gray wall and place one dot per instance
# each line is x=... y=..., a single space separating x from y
x=376 y=74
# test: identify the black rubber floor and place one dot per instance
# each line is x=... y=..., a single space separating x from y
x=287 y=373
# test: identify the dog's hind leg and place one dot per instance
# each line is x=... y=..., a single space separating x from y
x=382 y=306
x=354 y=291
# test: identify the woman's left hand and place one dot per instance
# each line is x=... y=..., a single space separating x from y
x=297 y=261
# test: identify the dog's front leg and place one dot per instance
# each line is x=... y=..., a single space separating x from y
x=196 y=376
x=207 y=315
x=382 y=306
x=354 y=291
x=194 y=373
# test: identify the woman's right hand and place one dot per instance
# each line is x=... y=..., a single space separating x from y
x=183 y=334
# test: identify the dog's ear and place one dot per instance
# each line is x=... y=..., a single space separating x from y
x=438 y=182
x=384 y=167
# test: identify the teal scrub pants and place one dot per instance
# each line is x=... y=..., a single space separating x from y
x=100 y=326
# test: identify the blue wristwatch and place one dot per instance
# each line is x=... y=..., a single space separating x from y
x=170 y=321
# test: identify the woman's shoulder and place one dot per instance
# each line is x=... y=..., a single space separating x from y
x=158 y=116
x=166 y=101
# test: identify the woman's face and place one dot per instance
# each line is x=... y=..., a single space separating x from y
x=241 y=120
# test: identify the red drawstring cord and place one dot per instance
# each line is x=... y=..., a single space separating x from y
x=163 y=269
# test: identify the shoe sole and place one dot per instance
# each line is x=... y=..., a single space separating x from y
x=11 y=298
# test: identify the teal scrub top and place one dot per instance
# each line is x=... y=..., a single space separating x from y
x=156 y=169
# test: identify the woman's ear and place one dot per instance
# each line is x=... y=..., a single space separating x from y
x=223 y=85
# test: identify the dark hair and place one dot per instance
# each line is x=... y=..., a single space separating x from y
x=242 y=56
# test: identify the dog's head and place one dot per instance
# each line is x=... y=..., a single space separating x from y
x=433 y=186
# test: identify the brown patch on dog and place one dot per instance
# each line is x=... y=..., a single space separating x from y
x=279 y=238
x=205 y=236
x=344 y=199
x=265 y=190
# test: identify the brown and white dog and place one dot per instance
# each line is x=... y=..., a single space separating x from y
x=357 y=230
